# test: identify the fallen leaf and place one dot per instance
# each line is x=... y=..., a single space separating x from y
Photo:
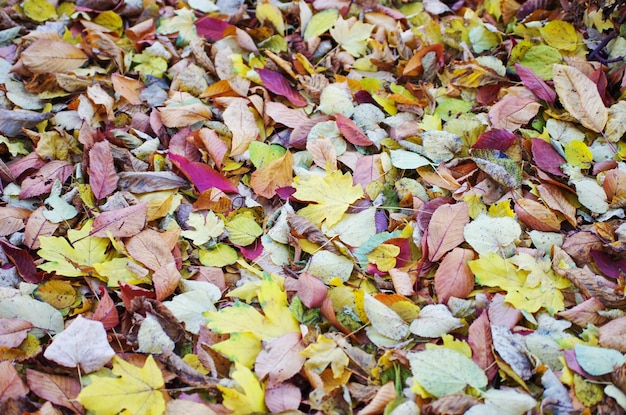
x=102 y=176
x=83 y=345
x=453 y=277
x=445 y=229
x=120 y=223
x=280 y=359
x=11 y=385
x=52 y=56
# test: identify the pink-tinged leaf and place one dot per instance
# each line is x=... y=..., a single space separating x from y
x=481 y=343
x=216 y=147
x=280 y=358
x=517 y=108
x=213 y=29
x=203 y=176
x=12 y=219
x=585 y=313
x=609 y=266
x=495 y=140
x=121 y=223
x=537 y=85
x=83 y=344
x=282 y=114
x=445 y=230
x=613 y=334
x=368 y=168
x=128 y=292
x=29 y=162
x=282 y=398
x=23 y=263
x=454 y=278
x=502 y=314
x=37 y=226
x=351 y=131
x=13 y=331
x=425 y=212
x=252 y=251
x=311 y=290
x=149 y=248
x=279 y=85
x=11 y=385
x=102 y=175
x=42 y=181
x=546 y=157
x=105 y=312
x=60 y=390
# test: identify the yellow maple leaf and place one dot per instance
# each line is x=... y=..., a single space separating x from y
x=74 y=258
x=384 y=256
x=135 y=390
x=275 y=321
x=333 y=195
x=352 y=35
x=325 y=352
x=247 y=395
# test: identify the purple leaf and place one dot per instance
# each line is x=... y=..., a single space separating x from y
x=546 y=157
x=23 y=263
x=495 y=140
x=607 y=264
x=535 y=84
x=203 y=176
x=214 y=29
x=279 y=85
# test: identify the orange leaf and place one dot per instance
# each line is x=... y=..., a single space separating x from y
x=554 y=198
x=537 y=216
x=52 y=56
x=445 y=230
x=128 y=88
x=275 y=175
x=454 y=278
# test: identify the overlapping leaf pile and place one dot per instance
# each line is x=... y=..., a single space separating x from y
x=312 y=207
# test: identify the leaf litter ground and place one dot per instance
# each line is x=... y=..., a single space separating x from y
x=312 y=207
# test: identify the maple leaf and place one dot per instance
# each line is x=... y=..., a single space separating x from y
x=352 y=35
x=242 y=318
x=74 y=256
x=332 y=193
x=182 y=23
x=245 y=395
x=205 y=227
x=135 y=390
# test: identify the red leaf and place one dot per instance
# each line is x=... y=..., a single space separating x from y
x=535 y=84
x=214 y=29
x=102 y=175
x=128 y=292
x=23 y=262
x=105 y=312
x=41 y=182
x=11 y=385
x=121 y=223
x=311 y=290
x=495 y=140
x=609 y=266
x=279 y=85
x=60 y=390
x=202 y=175
x=351 y=131
x=546 y=157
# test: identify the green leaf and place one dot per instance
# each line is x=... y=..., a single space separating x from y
x=243 y=230
x=320 y=23
x=445 y=372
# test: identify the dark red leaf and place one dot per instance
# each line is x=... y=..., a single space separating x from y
x=252 y=251
x=351 y=131
x=546 y=157
x=214 y=29
x=495 y=140
x=535 y=84
x=203 y=176
x=279 y=85
x=105 y=312
x=23 y=262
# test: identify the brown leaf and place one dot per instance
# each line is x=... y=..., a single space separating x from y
x=481 y=343
x=102 y=175
x=11 y=385
x=454 y=278
x=323 y=152
x=451 y=405
x=12 y=220
x=105 y=312
x=537 y=216
x=52 y=56
x=515 y=109
x=445 y=230
x=120 y=223
x=184 y=115
x=615 y=187
x=165 y=280
x=149 y=248
x=149 y=181
x=60 y=390
x=613 y=334
x=241 y=122
x=311 y=290
x=13 y=331
x=554 y=198
x=384 y=395
x=585 y=313
x=37 y=226
x=403 y=282
x=128 y=88
x=580 y=97
x=279 y=173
